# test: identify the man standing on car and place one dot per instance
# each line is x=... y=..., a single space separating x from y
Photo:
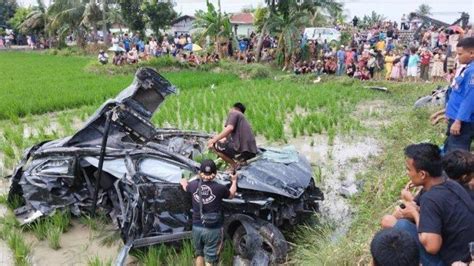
x=207 y=198
x=236 y=141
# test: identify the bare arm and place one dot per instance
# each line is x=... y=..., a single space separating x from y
x=184 y=184
x=431 y=242
x=227 y=130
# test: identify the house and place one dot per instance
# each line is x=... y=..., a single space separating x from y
x=182 y=25
x=242 y=24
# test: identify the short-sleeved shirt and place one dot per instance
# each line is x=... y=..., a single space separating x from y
x=447 y=210
x=413 y=60
x=242 y=137
x=212 y=195
x=461 y=100
x=425 y=58
x=341 y=55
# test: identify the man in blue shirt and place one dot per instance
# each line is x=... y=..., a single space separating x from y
x=460 y=106
x=126 y=42
x=341 y=58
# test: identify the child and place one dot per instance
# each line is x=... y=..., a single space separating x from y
x=412 y=68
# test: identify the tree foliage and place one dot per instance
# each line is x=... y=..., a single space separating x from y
x=159 y=15
x=133 y=14
x=7 y=11
x=424 y=9
x=20 y=15
x=36 y=21
x=373 y=19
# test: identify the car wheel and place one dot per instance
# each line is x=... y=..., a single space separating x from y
x=273 y=243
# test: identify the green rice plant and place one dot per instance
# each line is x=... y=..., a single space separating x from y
x=4 y=199
x=61 y=220
x=19 y=247
x=109 y=237
x=183 y=256
x=94 y=223
x=15 y=202
x=96 y=261
x=155 y=255
x=40 y=229
x=227 y=254
x=54 y=237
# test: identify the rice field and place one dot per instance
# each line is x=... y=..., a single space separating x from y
x=47 y=97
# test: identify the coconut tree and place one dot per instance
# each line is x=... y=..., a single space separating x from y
x=73 y=16
x=36 y=20
x=92 y=15
x=114 y=16
x=214 y=24
x=66 y=17
x=424 y=9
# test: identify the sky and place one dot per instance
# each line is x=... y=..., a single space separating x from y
x=444 y=10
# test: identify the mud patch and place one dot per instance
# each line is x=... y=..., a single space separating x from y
x=78 y=245
x=373 y=114
x=336 y=168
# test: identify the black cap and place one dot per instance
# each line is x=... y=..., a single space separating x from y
x=208 y=167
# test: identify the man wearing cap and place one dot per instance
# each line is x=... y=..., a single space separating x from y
x=236 y=141
x=207 y=198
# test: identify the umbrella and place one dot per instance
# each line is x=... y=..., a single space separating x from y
x=116 y=48
x=192 y=47
x=456 y=28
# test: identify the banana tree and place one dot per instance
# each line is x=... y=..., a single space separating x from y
x=288 y=30
x=215 y=25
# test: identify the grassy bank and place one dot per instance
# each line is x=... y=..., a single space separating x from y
x=46 y=97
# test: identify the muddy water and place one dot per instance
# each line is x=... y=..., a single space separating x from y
x=78 y=245
x=339 y=165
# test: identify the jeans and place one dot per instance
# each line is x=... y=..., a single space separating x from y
x=340 y=68
x=426 y=259
x=459 y=142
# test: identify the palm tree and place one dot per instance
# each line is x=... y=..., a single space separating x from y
x=36 y=20
x=214 y=24
x=114 y=16
x=424 y=10
x=73 y=16
x=92 y=15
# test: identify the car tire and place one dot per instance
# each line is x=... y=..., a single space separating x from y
x=273 y=242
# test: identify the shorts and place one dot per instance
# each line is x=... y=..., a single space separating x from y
x=208 y=242
x=227 y=149
x=412 y=71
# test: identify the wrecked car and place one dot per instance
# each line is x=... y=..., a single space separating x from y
x=121 y=164
x=437 y=98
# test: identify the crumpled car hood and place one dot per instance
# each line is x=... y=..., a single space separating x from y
x=288 y=179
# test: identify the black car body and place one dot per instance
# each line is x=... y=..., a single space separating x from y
x=125 y=166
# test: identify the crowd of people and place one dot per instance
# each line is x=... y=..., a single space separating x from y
x=131 y=50
x=379 y=53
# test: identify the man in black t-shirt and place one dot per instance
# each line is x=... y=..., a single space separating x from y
x=207 y=238
x=444 y=219
x=236 y=141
